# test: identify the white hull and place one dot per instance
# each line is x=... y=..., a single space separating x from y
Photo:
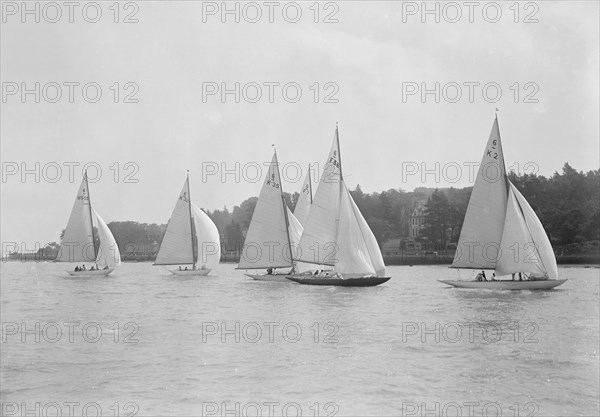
x=190 y=272
x=507 y=285
x=270 y=278
x=88 y=273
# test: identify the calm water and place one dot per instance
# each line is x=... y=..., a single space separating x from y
x=168 y=345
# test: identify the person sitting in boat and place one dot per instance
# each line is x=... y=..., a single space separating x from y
x=92 y=268
x=83 y=268
x=180 y=268
x=316 y=272
x=185 y=268
x=493 y=276
x=480 y=277
x=76 y=268
x=520 y=277
x=269 y=271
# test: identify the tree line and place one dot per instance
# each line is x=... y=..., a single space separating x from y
x=567 y=203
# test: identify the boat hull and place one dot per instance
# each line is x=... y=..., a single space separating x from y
x=88 y=273
x=339 y=282
x=190 y=272
x=269 y=278
x=507 y=285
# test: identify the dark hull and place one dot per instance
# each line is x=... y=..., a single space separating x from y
x=350 y=282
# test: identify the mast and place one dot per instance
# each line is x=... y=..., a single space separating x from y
x=192 y=229
x=284 y=207
x=337 y=138
x=87 y=186
x=506 y=181
x=310 y=185
x=341 y=186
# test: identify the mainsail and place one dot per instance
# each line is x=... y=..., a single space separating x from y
x=336 y=233
x=77 y=244
x=177 y=246
x=305 y=200
x=318 y=242
x=484 y=220
x=501 y=231
x=191 y=236
x=268 y=241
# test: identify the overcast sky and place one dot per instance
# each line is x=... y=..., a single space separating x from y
x=373 y=57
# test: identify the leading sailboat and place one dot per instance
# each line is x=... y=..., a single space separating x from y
x=274 y=232
x=191 y=239
x=501 y=232
x=337 y=236
x=78 y=243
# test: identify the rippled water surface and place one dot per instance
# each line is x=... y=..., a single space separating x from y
x=223 y=343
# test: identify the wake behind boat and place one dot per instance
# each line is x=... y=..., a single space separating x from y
x=79 y=241
x=501 y=232
x=337 y=236
x=191 y=238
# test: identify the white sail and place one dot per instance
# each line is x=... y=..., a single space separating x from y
x=481 y=232
x=295 y=229
x=208 y=240
x=336 y=233
x=176 y=246
x=267 y=243
x=304 y=200
x=108 y=253
x=353 y=258
x=319 y=240
x=369 y=238
x=518 y=252
x=78 y=244
x=535 y=255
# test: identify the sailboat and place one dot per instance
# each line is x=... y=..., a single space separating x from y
x=337 y=236
x=78 y=243
x=501 y=232
x=273 y=233
x=305 y=200
x=191 y=238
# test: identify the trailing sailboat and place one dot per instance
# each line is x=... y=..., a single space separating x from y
x=191 y=239
x=273 y=233
x=337 y=236
x=501 y=231
x=78 y=243
x=305 y=200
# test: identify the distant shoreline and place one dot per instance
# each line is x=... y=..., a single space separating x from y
x=579 y=260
